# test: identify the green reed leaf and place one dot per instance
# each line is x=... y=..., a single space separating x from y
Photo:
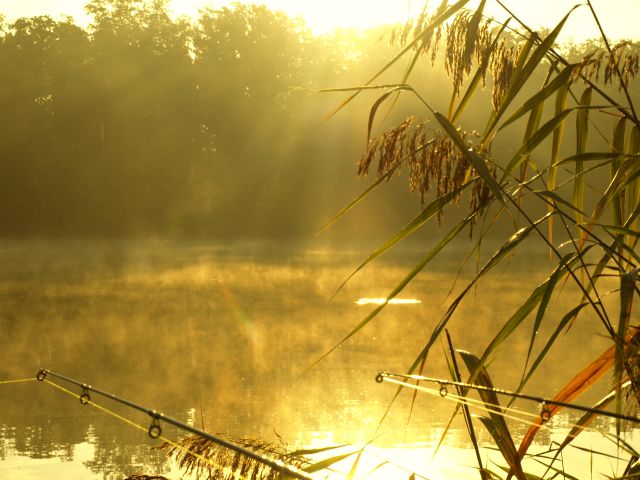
x=562 y=324
x=559 y=82
x=497 y=257
x=496 y=423
x=359 y=198
x=618 y=146
x=453 y=233
x=376 y=105
x=549 y=287
x=582 y=132
x=589 y=157
x=558 y=134
x=423 y=217
x=633 y=147
x=627 y=291
x=534 y=140
x=327 y=462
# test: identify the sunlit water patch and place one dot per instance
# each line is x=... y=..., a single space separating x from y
x=382 y=301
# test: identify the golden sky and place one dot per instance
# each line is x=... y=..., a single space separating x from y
x=619 y=17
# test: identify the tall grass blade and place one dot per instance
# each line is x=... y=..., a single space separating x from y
x=534 y=140
x=576 y=386
x=496 y=423
x=544 y=303
x=582 y=132
x=532 y=126
x=465 y=408
x=589 y=157
x=618 y=146
x=453 y=233
x=633 y=147
x=558 y=84
x=423 y=217
x=558 y=134
x=564 y=323
x=504 y=251
x=376 y=105
x=358 y=199
x=627 y=291
x=327 y=462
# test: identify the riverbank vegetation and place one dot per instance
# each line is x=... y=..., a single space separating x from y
x=578 y=197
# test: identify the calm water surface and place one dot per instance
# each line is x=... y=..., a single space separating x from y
x=223 y=337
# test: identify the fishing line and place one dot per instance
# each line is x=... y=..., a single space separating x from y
x=5 y=382
x=142 y=428
x=471 y=402
x=155 y=429
x=480 y=405
x=481 y=388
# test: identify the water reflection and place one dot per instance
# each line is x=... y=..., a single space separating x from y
x=222 y=337
x=382 y=301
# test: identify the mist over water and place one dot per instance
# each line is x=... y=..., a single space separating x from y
x=221 y=336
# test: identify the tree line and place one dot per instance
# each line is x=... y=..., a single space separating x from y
x=142 y=124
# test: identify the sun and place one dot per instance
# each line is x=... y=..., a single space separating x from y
x=324 y=16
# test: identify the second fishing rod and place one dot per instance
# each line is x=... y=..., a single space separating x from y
x=545 y=414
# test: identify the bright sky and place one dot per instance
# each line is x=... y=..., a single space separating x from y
x=619 y=17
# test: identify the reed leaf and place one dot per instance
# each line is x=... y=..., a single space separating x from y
x=562 y=324
x=558 y=134
x=534 y=140
x=582 y=131
x=495 y=423
x=586 y=420
x=589 y=157
x=497 y=257
x=539 y=136
x=453 y=233
x=327 y=462
x=455 y=374
x=380 y=101
x=627 y=291
x=532 y=126
x=576 y=386
x=358 y=199
x=633 y=147
x=423 y=217
x=549 y=287
x=618 y=146
x=559 y=82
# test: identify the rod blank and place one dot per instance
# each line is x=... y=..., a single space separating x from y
x=155 y=430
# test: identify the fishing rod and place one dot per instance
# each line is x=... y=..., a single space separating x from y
x=155 y=429
x=545 y=413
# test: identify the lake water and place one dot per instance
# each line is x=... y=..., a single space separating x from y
x=222 y=336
